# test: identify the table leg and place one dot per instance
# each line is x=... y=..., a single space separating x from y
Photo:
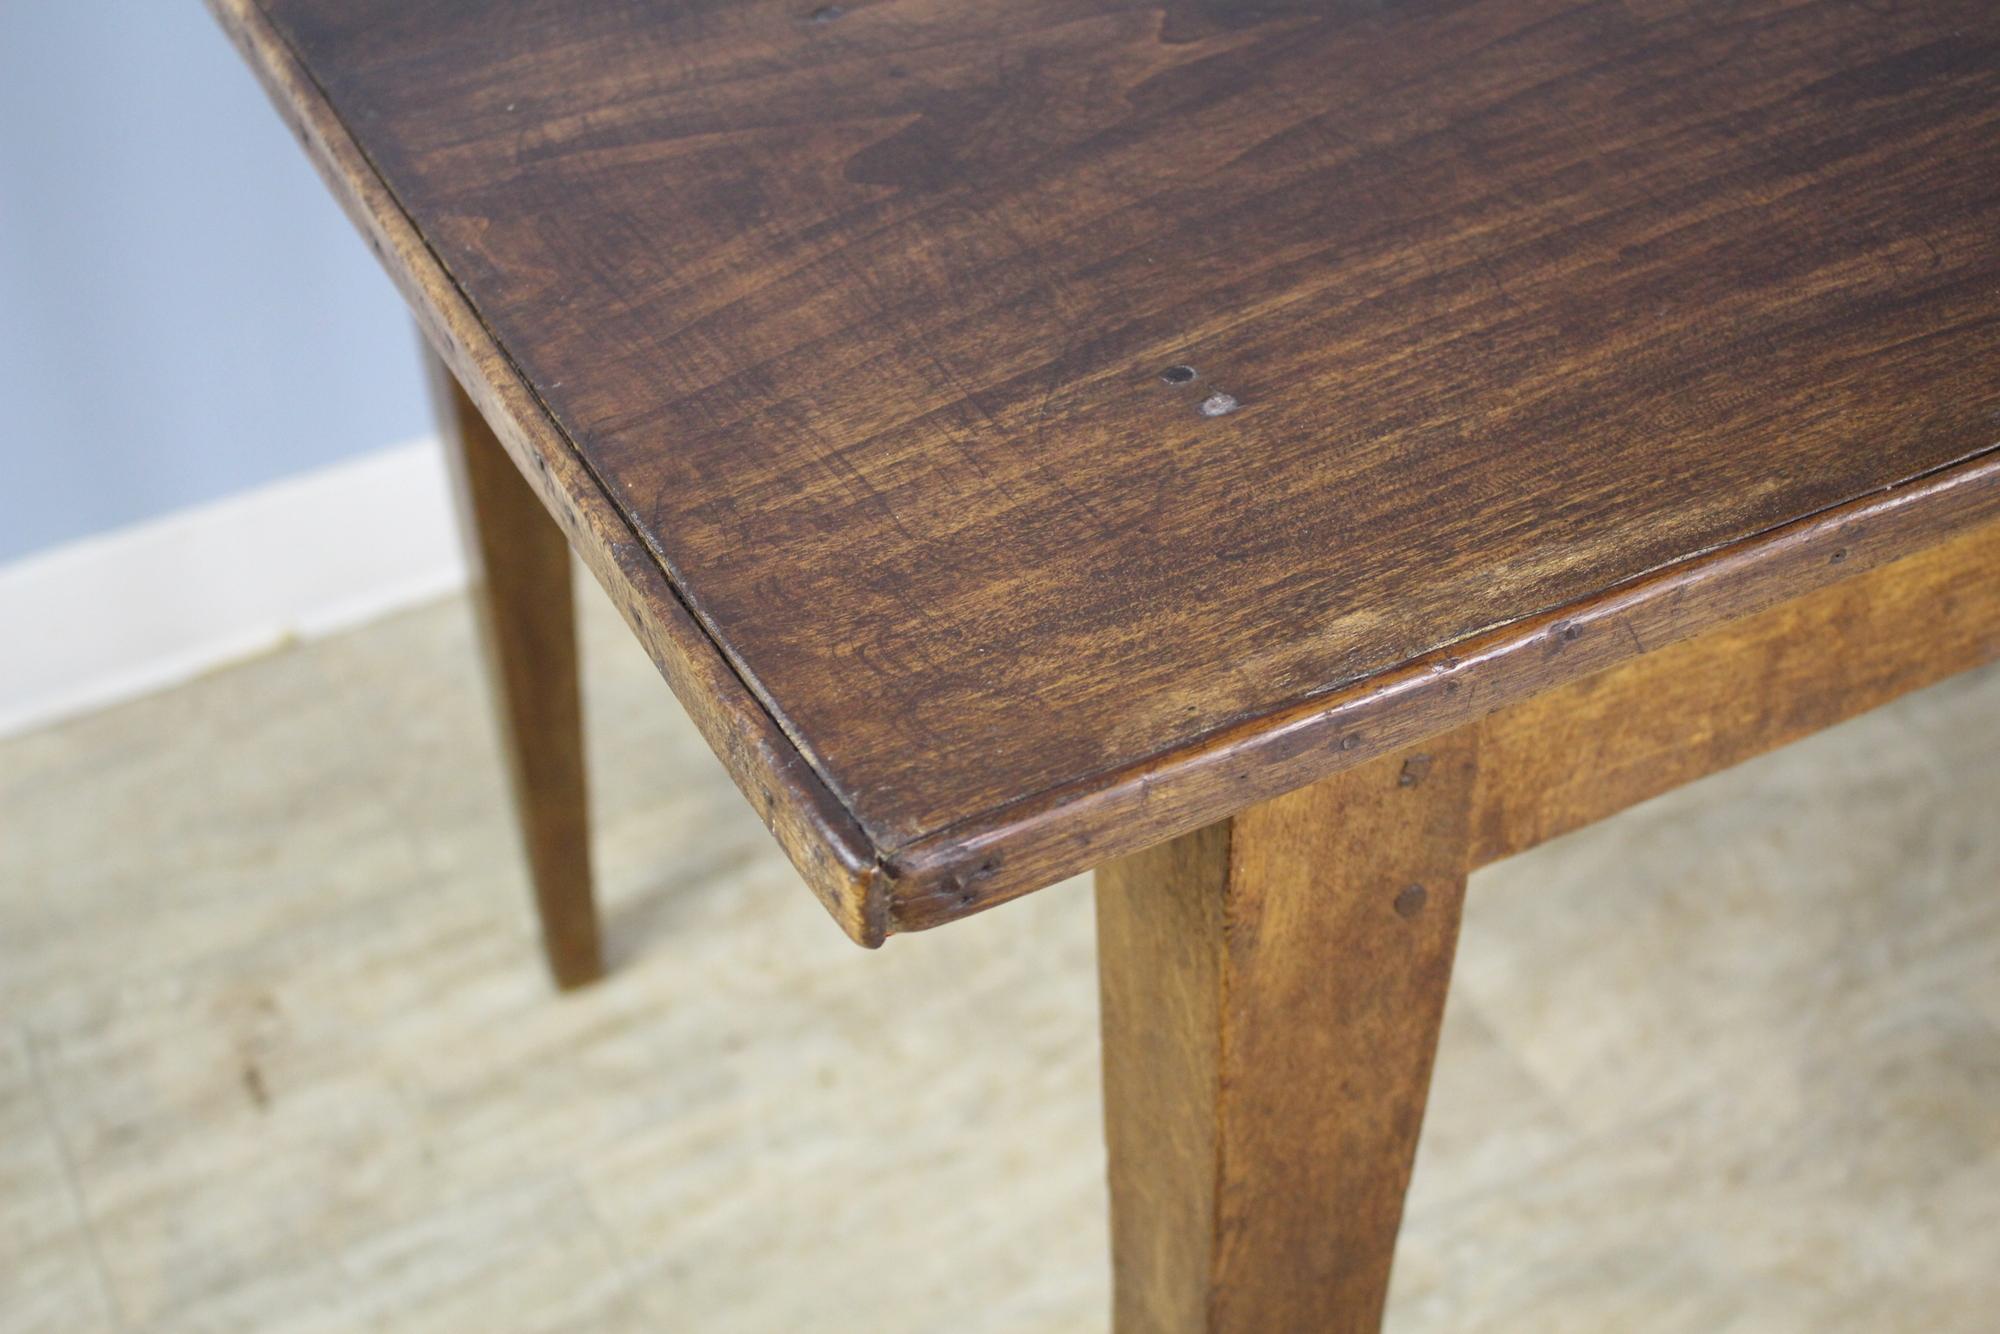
x=519 y=563
x=1272 y=989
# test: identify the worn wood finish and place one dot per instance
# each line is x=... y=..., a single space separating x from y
x=816 y=832
x=518 y=561
x=838 y=334
x=1272 y=988
x=868 y=316
x=1037 y=842
x=1588 y=750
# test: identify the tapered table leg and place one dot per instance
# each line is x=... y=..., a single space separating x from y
x=520 y=568
x=1272 y=990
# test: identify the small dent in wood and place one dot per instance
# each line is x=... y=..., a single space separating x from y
x=826 y=14
x=1414 y=771
x=1839 y=555
x=965 y=888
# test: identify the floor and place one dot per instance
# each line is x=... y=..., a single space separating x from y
x=276 y=1054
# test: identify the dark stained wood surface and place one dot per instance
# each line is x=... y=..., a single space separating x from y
x=820 y=836
x=856 y=318
x=1040 y=841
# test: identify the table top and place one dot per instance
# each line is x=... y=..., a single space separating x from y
x=1042 y=427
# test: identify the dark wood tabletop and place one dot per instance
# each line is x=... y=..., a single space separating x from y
x=1025 y=431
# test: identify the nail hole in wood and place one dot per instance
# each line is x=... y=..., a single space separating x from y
x=1411 y=901
x=1178 y=374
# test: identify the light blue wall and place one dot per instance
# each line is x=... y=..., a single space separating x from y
x=184 y=311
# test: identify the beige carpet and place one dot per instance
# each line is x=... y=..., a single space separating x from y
x=276 y=1053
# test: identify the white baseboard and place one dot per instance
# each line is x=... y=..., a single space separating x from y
x=127 y=612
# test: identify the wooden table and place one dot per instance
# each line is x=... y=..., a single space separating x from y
x=1284 y=454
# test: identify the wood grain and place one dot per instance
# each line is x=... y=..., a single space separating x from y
x=1038 y=842
x=842 y=339
x=818 y=834
x=518 y=562
x=1587 y=750
x=1272 y=989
